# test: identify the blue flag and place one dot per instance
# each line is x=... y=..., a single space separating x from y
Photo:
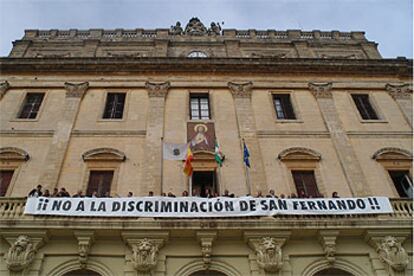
x=246 y=155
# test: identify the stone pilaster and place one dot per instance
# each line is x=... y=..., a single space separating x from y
x=242 y=94
x=4 y=86
x=58 y=147
x=343 y=147
x=157 y=93
x=402 y=94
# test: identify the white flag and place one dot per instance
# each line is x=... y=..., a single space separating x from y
x=174 y=151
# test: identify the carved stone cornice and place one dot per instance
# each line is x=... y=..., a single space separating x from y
x=85 y=240
x=76 y=90
x=321 y=90
x=145 y=248
x=23 y=248
x=206 y=239
x=401 y=91
x=241 y=90
x=268 y=248
x=4 y=86
x=327 y=238
x=157 y=89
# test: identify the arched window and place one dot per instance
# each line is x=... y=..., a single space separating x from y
x=303 y=164
x=208 y=273
x=398 y=163
x=82 y=272
x=102 y=170
x=197 y=54
x=11 y=159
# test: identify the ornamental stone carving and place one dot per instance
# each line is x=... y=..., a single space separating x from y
x=85 y=240
x=21 y=254
x=195 y=27
x=76 y=90
x=393 y=254
x=177 y=29
x=157 y=89
x=206 y=239
x=402 y=91
x=4 y=86
x=328 y=241
x=144 y=255
x=321 y=90
x=242 y=90
x=269 y=254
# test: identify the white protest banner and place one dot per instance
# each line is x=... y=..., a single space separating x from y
x=195 y=207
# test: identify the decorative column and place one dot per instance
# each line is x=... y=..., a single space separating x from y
x=206 y=239
x=145 y=249
x=242 y=95
x=267 y=247
x=23 y=249
x=327 y=238
x=390 y=252
x=402 y=94
x=85 y=240
x=57 y=149
x=4 y=86
x=343 y=147
x=152 y=175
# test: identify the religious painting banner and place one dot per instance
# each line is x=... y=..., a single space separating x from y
x=201 y=136
x=196 y=207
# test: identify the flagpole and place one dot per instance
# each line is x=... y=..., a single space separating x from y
x=162 y=165
x=191 y=184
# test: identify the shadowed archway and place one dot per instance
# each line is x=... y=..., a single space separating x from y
x=208 y=273
x=332 y=272
x=82 y=272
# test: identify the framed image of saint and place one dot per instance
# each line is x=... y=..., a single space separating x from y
x=201 y=136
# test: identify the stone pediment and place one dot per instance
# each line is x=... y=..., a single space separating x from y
x=103 y=154
x=13 y=154
x=392 y=154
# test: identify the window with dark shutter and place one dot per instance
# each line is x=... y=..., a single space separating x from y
x=99 y=182
x=114 y=107
x=31 y=105
x=199 y=107
x=283 y=107
x=305 y=181
x=402 y=182
x=364 y=106
x=5 y=179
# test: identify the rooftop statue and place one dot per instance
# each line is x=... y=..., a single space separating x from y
x=177 y=29
x=195 y=27
x=215 y=28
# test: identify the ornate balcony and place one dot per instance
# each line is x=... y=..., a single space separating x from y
x=12 y=216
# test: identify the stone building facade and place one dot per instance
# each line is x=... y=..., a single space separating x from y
x=79 y=104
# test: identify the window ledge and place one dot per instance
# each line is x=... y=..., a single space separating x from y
x=24 y=120
x=373 y=121
x=110 y=120
x=283 y=121
x=201 y=121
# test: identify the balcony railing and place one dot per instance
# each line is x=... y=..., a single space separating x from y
x=12 y=208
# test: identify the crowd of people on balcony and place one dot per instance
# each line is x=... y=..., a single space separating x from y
x=206 y=193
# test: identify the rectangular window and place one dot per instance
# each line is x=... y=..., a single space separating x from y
x=5 y=179
x=305 y=181
x=31 y=105
x=402 y=182
x=99 y=183
x=364 y=107
x=199 y=107
x=114 y=107
x=283 y=107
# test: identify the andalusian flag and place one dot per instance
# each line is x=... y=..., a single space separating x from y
x=218 y=155
x=188 y=167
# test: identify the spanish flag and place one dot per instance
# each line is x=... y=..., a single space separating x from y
x=188 y=167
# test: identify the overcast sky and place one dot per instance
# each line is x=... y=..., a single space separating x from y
x=388 y=22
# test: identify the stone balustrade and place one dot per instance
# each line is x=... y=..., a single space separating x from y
x=12 y=208
x=141 y=34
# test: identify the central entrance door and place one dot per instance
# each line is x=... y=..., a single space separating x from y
x=204 y=182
